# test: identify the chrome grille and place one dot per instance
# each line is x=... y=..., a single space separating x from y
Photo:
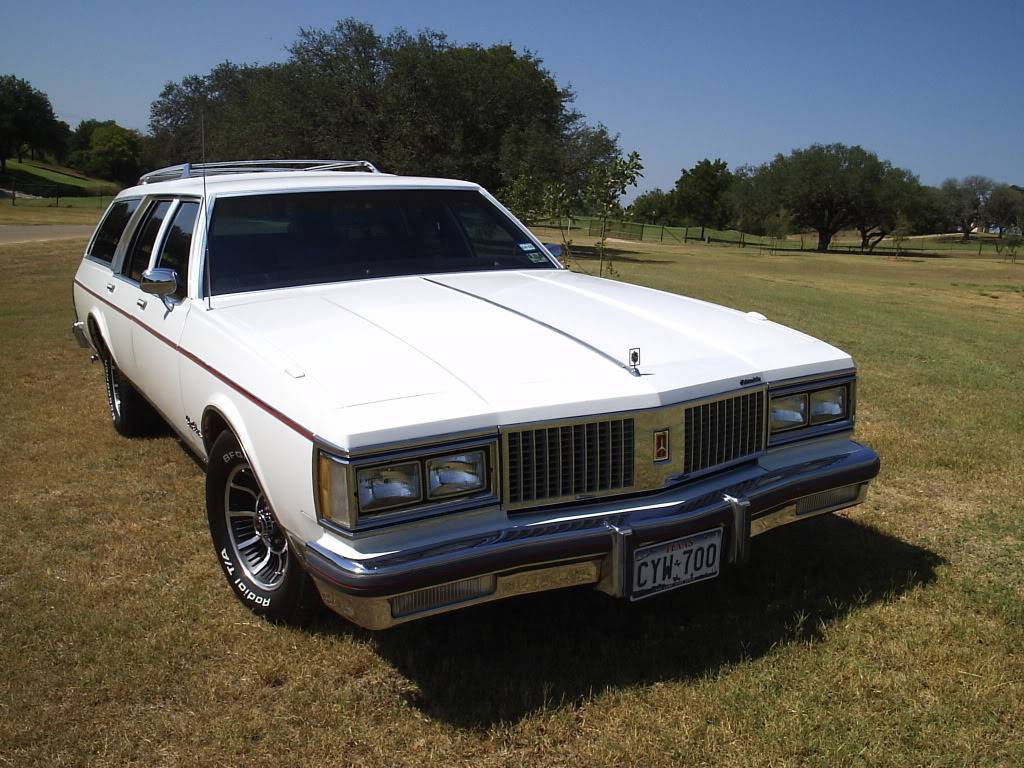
x=562 y=462
x=723 y=431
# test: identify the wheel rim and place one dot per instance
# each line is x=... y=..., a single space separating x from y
x=113 y=389
x=258 y=542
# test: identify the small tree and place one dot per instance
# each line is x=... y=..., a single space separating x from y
x=777 y=227
x=606 y=183
x=522 y=197
x=900 y=233
x=557 y=203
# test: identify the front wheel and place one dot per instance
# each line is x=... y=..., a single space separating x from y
x=250 y=544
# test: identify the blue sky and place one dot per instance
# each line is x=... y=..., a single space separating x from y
x=935 y=87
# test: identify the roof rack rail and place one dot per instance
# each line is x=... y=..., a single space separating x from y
x=187 y=170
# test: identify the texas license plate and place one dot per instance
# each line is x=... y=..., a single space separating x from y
x=676 y=563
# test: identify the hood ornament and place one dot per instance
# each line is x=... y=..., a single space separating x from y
x=633 y=361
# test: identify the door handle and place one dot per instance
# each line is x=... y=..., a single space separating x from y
x=141 y=303
x=110 y=287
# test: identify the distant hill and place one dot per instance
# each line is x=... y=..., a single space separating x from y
x=46 y=180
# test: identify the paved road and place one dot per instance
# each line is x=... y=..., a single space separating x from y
x=25 y=233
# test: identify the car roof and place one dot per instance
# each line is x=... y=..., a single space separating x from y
x=290 y=181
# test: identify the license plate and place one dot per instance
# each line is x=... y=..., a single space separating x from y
x=670 y=564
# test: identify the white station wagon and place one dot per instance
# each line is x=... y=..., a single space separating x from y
x=406 y=405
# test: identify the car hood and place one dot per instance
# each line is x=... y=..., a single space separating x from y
x=398 y=356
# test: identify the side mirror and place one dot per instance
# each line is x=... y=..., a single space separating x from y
x=554 y=249
x=159 y=282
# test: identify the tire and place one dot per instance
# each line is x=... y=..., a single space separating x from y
x=251 y=546
x=131 y=415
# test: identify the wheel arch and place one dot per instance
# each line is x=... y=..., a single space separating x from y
x=221 y=416
x=99 y=334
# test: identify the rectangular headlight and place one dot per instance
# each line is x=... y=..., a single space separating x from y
x=357 y=494
x=456 y=474
x=390 y=485
x=788 y=412
x=828 y=405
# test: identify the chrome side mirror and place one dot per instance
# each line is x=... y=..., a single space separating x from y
x=554 y=249
x=159 y=282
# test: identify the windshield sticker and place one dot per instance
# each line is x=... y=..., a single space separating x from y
x=537 y=258
x=528 y=246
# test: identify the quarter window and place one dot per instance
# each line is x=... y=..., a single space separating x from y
x=110 y=231
x=177 y=243
x=142 y=247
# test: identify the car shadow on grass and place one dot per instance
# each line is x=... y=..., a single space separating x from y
x=500 y=662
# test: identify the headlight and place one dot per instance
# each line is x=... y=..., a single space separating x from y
x=392 y=485
x=453 y=475
x=362 y=493
x=789 y=412
x=828 y=405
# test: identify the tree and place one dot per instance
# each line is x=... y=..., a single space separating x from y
x=653 y=207
x=26 y=119
x=1004 y=208
x=753 y=199
x=607 y=183
x=881 y=194
x=927 y=213
x=819 y=185
x=107 y=150
x=965 y=199
x=416 y=104
x=701 y=194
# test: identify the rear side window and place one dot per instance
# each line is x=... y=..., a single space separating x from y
x=145 y=239
x=110 y=231
x=177 y=243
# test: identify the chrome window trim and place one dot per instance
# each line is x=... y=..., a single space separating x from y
x=420 y=510
x=161 y=240
x=129 y=227
x=158 y=241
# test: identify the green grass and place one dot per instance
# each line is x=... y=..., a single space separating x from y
x=72 y=210
x=887 y=636
x=32 y=172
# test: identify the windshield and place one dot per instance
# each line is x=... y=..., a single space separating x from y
x=303 y=238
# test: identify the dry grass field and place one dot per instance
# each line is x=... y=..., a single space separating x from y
x=892 y=635
x=82 y=210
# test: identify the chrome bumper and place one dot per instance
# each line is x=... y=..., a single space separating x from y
x=588 y=543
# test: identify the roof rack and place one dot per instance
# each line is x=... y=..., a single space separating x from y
x=187 y=170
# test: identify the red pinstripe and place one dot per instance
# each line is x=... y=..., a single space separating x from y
x=288 y=422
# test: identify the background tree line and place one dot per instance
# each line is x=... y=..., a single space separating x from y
x=411 y=104
x=423 y=105
x=827 y=188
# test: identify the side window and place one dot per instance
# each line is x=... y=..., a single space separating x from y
x=110 y=231
x=145 y=239
x=174 y=253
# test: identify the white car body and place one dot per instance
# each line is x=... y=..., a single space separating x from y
x=364 y=365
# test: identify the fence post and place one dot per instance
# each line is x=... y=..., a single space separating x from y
x=14 y=190
x=686 y=234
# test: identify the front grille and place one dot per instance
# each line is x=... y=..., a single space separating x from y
x=723 y=431
x=563 y=462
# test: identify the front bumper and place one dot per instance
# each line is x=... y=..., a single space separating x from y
x=589 y=543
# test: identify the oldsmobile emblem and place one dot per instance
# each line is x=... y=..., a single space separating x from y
x=661 y=450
